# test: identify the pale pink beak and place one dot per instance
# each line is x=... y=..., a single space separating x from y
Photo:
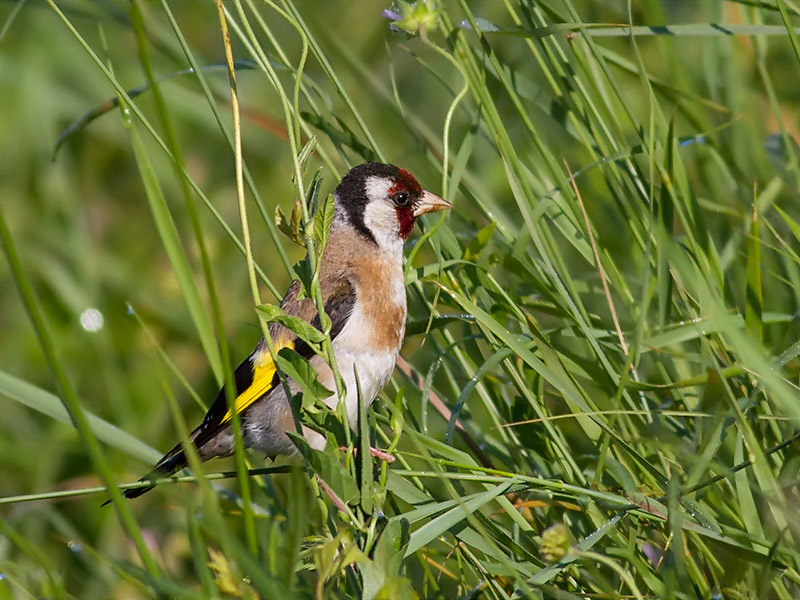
x=430 y=203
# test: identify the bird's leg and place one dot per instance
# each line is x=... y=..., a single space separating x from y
x=376 y=452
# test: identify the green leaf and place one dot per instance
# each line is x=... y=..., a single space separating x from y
x=672 y=335
x=304 y=375
x=405 y=490
x=304 y=273
x=429 y=508
x=303 y=329
x=479 y=243
x=390 y=547
x=329 y=469
x=381 y=573
x=794 y=227
x=462 y=157
x=322 y=222
x=754 y=298
x=436 y=527
x=340 y=136
x=306 y=152
x=290 y=227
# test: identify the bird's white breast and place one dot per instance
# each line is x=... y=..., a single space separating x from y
x=366 y=349
x=357 y=358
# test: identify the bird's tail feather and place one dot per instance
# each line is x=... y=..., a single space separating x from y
x=172 y=462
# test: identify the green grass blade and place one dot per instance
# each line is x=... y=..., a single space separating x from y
x=51 y=405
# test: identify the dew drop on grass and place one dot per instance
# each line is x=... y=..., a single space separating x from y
x=74 y=546
x=92 y=320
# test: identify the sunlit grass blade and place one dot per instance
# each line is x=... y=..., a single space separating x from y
x=50 y=405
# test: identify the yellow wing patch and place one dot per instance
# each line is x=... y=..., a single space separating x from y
x=263 y=374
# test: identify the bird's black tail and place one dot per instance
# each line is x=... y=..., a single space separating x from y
x=172 y=462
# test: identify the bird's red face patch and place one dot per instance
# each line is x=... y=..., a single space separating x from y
x=406 y=219
x=405 y=182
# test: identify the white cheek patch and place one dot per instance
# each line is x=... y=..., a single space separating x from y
x=380 y=218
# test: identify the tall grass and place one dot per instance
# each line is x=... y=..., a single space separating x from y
x=597 y=396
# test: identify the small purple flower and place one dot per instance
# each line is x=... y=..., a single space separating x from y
x=388 y=13
x=392 y=16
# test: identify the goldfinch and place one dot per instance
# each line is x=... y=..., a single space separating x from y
x=362 y=284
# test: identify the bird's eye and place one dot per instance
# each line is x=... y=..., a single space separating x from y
x=401 y=198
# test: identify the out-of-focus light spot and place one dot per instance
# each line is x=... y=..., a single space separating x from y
x=92 y=320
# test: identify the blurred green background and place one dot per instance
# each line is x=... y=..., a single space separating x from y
x=673 y=140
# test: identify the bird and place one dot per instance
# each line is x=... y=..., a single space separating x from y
x=363 y=288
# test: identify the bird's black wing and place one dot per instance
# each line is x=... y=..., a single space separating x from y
x=256 y=376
